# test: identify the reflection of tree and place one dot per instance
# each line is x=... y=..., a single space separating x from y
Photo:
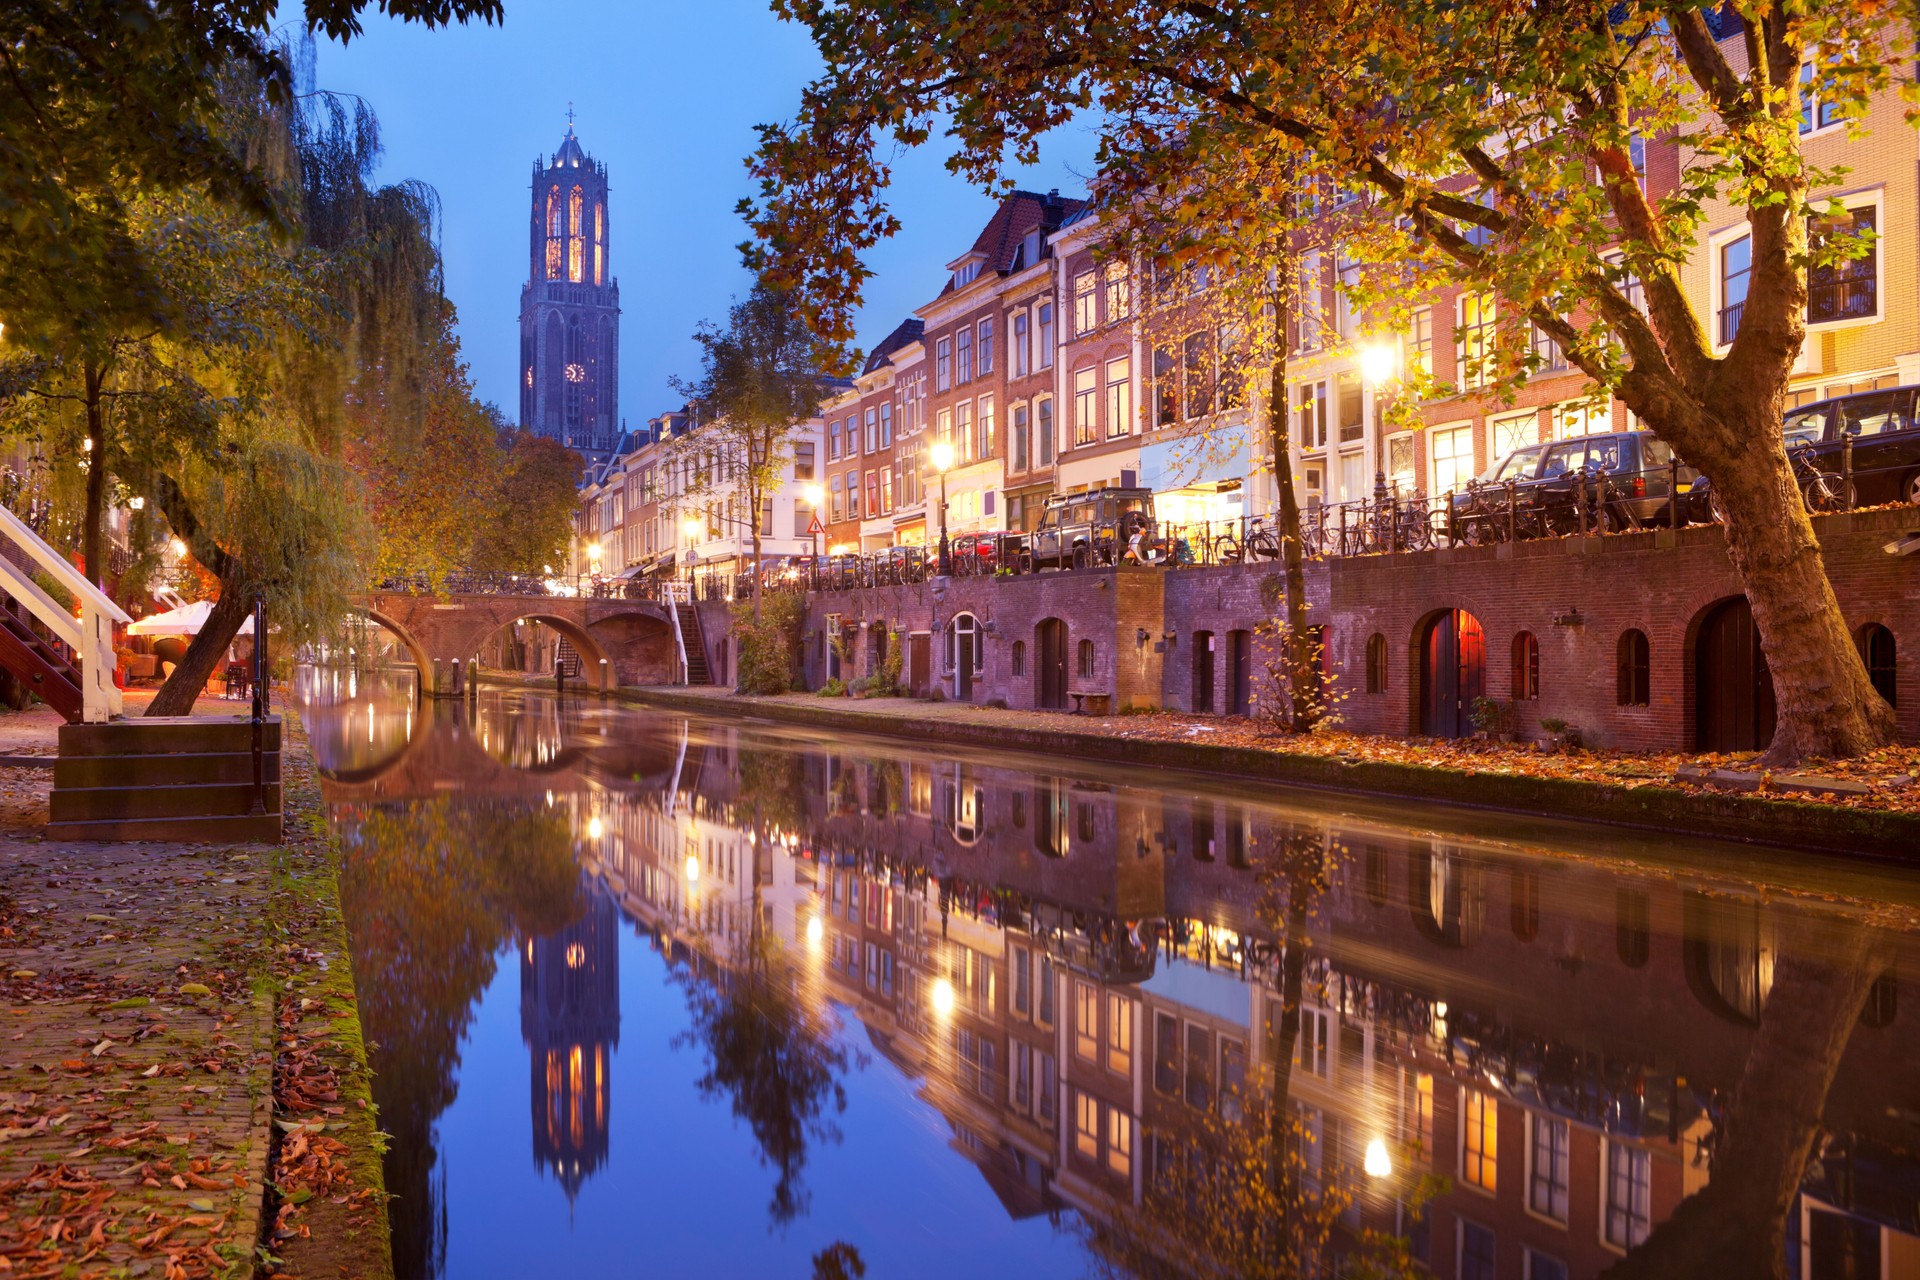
x=1235 y=1189
x=770 y=1050
x=431 y=892
x=1736 y=1225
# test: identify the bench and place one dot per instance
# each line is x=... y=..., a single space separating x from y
x=1085 y=702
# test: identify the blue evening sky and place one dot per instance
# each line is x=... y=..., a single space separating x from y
x=667 y=96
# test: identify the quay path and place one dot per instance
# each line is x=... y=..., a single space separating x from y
x=146 y=991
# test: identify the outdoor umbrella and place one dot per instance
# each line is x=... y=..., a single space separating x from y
x=184 y=621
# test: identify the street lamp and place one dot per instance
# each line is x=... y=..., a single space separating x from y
x=941 y=456
x=1377 y=360
x=1377 y=1163
x=814 y=495
x=690 y=534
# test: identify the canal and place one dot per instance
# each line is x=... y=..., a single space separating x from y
x=652 y=993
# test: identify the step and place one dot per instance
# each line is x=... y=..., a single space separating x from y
x=227 y=829
x=167 y=735
x=163 y=770
x=213 y=799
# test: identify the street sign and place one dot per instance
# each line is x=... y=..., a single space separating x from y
x=815 y=529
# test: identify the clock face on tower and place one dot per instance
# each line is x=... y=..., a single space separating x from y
x=576 y=373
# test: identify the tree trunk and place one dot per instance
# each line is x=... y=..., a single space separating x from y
x=1736 y=1226
x=1826 y=704
x=93 y=532
x=1300 y=656
x=1285 y=1038
x=204 y=654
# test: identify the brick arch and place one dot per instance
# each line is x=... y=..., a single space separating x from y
x=580 y=635
x=422 y=659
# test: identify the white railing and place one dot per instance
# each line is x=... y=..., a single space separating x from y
x=90 y=635
x=671 y=594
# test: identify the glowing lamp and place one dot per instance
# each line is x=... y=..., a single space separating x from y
x=1377 y=1163
x=690 y=527
x=814 y=495
x=594 y=828
x=816 y=930
x=1377 y=360
x=943 y=997
x=941 y=455
x=693 y=869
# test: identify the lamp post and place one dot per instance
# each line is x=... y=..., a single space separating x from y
x=690 y=530
x=941 y=456
x=814 y=495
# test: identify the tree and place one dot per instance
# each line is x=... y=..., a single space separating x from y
x=762 y=380
x=528 y=519
x=1496 y=145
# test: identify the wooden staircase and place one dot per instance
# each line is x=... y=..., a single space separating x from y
x=696 y=644
x=166 y=778
x=46 y=669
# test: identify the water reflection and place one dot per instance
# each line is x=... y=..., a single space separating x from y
x=1233 y=1037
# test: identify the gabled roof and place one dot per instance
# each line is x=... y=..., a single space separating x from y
x=905 y=334
x=1019 y=214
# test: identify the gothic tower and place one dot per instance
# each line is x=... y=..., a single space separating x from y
x=570 y=1021
x=570 y=308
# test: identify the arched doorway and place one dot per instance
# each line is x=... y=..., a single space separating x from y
x=1453 y=673
x=1050 y=674
x=1239 y=673
x=965 y=656
x=1733 y=690
x=1203 y=671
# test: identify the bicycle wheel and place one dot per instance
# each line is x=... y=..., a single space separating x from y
x=1226 y=551
x=1822 y=492
x=1263 y=546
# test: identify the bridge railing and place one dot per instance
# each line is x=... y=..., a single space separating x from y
x=488 y=582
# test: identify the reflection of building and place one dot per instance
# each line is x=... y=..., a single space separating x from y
x=570 y=1020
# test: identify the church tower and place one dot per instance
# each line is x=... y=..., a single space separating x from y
x=570 y=308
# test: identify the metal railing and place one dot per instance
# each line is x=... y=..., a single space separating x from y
x=464 y=582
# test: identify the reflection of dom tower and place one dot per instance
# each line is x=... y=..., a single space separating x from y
x=570 y=308
x=570 y=1019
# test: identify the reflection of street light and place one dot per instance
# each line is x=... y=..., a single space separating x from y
x=943 y=997
x=177 y=548
x=594 y=829
x=941 y=456
x=816 y=930
x=1377 y=1163
x=693 y=869
x=814 y=495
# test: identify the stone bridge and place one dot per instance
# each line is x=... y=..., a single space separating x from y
x=619 y=641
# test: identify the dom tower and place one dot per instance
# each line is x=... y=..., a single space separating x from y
x=570 y=308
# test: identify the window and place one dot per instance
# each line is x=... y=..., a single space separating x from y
x=1045 y=360
x=1547 y=1168
x=1526 y=667
x=1736 y=268
x=1119 y=1142
x=1352 y=409
x=1876 y=651
x=986 y=346
x=942 y=364
x=803 y=460
x=1022 y=442
x=873 y=495
x=1086 y=1125
x=1346 y=280
x=1046 y=992
x=1629 y=1195
x=1119 y=397
x=1119 y=1034
x=988 y=441
x=1476 y=1252
x=1515 y=432
x=1119 y=292
x=1542 y=1267
x=1420 y=341
x=834 y=497
x=1479 y=1139
x=1085 y=393
x=1043 y=429
x=1199 y=1067
x=1086 y=659
x=1085 y=304
x=1376 y=663
x=1846 y=290
x=1452 y=458
x=1086 y=1021
x=873 y=429
x=886 y=424
x=1165 y=409
x=886 y=491
x=1630 y=285
x=1198 y=358
x=1473 y=341
x=1018 y=339
x=1311 y=1051
x=1818 y=108
x=1166 y=1054
x=1546 y=352
x=1306 y=311
x=963 y=371
x=963 y=441
x=1634 y=676
x=1019 y=661
x=1417 y=1114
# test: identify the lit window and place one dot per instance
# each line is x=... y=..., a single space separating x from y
x=1479 y=1139
x=1474 y=340
x=1085 y=411
x=1045 y=359
x=1119 y=292
x=1086 y=1125
x=1119 y=1142
x=1086 y=1021
x=1119 y=1034
x=1119 y=397
x=1085 y=304
x=986 y=346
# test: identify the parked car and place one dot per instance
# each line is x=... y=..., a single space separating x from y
x=1886 y=441
x=1628 y=474
x=1081 y=529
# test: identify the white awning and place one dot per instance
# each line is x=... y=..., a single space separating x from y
x=187 y=620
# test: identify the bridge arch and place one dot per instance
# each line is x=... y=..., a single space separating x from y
x=421 y=658
x=594 y=658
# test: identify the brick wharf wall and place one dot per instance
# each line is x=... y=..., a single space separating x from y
x=1576 y=596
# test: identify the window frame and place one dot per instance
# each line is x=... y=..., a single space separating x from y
x=1873 y=198
x=1119 y=396
x=1558 y=1176
x=1479 y=1161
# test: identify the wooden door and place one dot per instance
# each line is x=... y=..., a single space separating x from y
x=1050 y=643
x=920 y=664
x=1453 y=674
x=1733 y=690
x=1240 y=673
x=963 y=664
x=1202 y=671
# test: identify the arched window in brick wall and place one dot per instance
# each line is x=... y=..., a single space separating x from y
x=1876 y=650
x=1376 y=663
x=1633 y=681
x=1526 y=667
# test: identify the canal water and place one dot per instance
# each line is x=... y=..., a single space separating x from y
x=681 y=995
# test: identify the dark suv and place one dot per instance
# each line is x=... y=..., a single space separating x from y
x=1082 y=529
x=1627 y=476
x=1886 y=441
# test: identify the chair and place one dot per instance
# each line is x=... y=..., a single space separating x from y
x=238 y=685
